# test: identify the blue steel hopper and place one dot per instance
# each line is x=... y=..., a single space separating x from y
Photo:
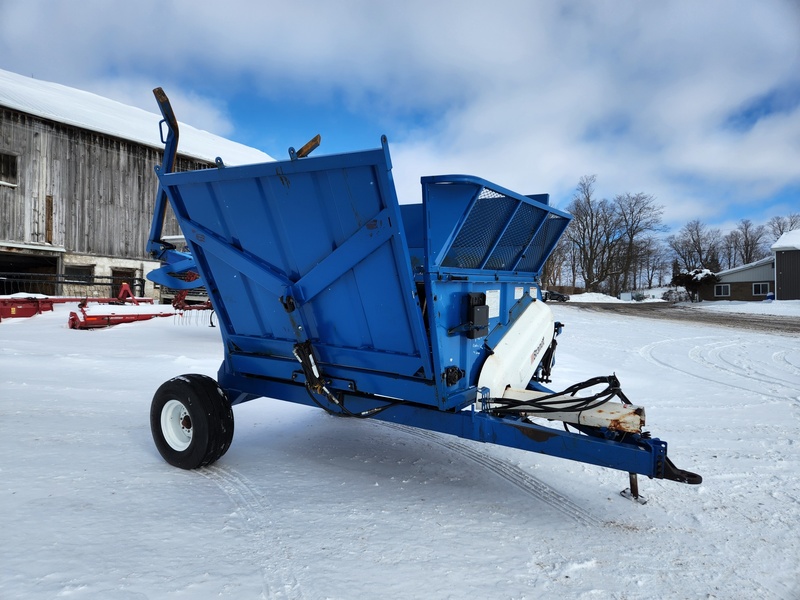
x=329 y=293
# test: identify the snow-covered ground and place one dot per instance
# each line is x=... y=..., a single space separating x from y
x=598 y=297
x=783 y=308
x=305 y=505
x=787 y=308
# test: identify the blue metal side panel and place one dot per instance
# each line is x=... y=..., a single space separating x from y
x=446 y=208
x=482 y=238
x=414 y=224
x=325 y=232
x=446 y=297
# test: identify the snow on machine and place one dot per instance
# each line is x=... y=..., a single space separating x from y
x=329 y=293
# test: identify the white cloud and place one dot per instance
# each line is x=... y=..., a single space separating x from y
x=529 y=94
x=204 y=113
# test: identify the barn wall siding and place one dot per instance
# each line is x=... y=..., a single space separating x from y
x=102 y=188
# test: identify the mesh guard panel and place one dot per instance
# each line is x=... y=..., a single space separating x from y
x=504 y=233
x=483 y=225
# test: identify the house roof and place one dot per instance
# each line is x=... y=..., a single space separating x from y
x=753 y=265
x=788 y=241
x=82 y=109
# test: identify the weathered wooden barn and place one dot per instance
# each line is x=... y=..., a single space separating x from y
x=77 y=185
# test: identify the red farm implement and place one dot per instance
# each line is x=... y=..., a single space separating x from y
x=125 y=308
x=18 y=307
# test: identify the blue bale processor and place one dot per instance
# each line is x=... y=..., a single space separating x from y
x=330 y=293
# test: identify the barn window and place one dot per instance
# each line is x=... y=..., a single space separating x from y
x=8 y=169
x=722 y=290
x=78 y=273
x=760 y=289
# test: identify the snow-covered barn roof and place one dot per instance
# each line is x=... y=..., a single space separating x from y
x=82 y=109
x=788 y=241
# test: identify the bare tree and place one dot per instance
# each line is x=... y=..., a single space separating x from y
x=682 y=249
x=594 y=233
x=557 y=264
x=638 y=215
x=779 y=225
x=730 y=249
x=653 y=262
x=572 y=258
x=696 y=245
x=753 y=241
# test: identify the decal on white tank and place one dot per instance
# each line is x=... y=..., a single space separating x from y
x=515 y=357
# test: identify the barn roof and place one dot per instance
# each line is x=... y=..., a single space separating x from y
x=788 y=241
x=82 y=109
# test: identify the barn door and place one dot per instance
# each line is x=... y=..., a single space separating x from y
x=120 y=276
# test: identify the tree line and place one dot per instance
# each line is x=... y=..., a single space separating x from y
x=618 y=245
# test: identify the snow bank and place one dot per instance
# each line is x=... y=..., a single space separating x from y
x=24 y=295
x=594 y=297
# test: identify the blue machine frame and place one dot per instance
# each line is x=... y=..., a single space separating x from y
x=317 y=253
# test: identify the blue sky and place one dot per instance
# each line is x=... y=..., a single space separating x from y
x=696 y=103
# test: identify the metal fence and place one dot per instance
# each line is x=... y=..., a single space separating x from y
x=82 y=286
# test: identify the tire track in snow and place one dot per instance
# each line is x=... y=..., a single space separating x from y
x=703 y=356
x=782 y=359
x=275 y=562
x=710 y=357
x=752 y=367
x=512 y=474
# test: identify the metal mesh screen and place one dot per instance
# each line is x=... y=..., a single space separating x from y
x=537 y=252
x=516 y=238
x=501 y=233
x=482 y=227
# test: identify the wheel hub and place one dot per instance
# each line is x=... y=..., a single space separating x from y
x=176 y=425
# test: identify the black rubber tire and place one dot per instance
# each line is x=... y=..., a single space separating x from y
x=191 y=421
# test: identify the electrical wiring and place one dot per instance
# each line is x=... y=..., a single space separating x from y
x=564 y=401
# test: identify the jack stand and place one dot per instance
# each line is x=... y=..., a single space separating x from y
x=632 y=493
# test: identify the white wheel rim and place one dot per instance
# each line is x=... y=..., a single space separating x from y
x=176 y=425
